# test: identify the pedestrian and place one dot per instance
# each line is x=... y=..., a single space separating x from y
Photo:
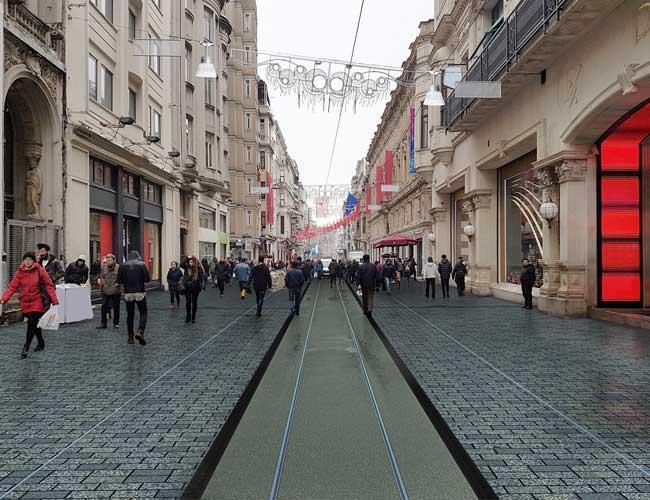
x=444 y=270
x=111 y=292
x=414 y=269
x=308 y=270
x=213 y=271
x=175 y=285
x=133 y=275
x=430 y=273
x=340 y=267
x=333 y=269
x=194 y=282
x=387 y=273
x=378 y=276
x=261 y=280
x=458 y=274
x=367 y=280
x=221 y=273
x=294 y=280
x=527 y=279
x=242 y=275
x=230 y=267
x=319 y=268
x=77 y=272
x=48 y=262
x=205 y=275
x=37 y=293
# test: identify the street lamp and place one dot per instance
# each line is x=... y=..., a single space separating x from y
x=469 y=230
x=206 y=69
x=431 y=237
x=434 y=96
x=548 y=210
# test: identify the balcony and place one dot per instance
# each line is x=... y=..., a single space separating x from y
x=534 y=35
x=27 y=23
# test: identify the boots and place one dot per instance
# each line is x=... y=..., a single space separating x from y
x=140 y=337
x=23 y=354
x=131 y=338
x=39 y=347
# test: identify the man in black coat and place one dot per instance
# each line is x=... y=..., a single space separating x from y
x=133 y=275
x=444 y=269
x=367 y=279
x=77 y=272
x=527 y=280
x=458 y=274
x=52 y=266
x=261 y=279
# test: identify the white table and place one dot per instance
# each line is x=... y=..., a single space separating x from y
x=74 y=303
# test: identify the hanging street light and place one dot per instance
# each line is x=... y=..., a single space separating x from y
x=434 y=95
x=206 y=69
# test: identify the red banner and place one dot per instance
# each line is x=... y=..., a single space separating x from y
x=388 y=170
x=270 y=215
x=368 y=199
x=379 y=179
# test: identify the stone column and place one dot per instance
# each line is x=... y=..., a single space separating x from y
x=440 y=226
x=483 y=245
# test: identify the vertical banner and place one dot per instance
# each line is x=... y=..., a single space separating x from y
x=379 y=179
x=368 y=199
x=412 y=142
x=388 y=171
x=270 y=202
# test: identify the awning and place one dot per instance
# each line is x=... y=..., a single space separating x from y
x=395 y=241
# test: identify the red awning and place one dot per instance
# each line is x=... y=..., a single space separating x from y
x=395 y=241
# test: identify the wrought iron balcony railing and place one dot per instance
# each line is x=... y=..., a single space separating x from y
x=528 y=22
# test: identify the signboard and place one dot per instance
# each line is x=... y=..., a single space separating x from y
x=389 y=188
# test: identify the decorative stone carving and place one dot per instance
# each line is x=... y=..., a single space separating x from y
x=625 y=80
x=547 y=179
x=33 y=181
x=568 y=87
x=571 y=170
x=643 y=22
x=33 y=64
x=13 y=55
x=468 y=205
x=482 y=201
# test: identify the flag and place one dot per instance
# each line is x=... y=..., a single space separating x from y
x=379 y=178
x=412 y=142
x=368 y=198
x=388 y=170
x=350 y=204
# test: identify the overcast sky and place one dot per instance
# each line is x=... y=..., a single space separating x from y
x=325 y=28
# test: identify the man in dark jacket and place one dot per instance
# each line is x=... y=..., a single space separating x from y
x=527 y=280
x=444 y=269
x=387 y=273
x=294 y=280
x=459 y=273
x=367 y=280
x=111 y=292
x=261 y=279
x=77 y=272
x=221 y=272
x=308 y=270
x=133 y=275
x=333 y=269
x=52 y=266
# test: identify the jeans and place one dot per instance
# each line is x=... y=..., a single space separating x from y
x=174 y=295
x=431 y=282
x=242 y=288
x=387 y=283
x=445 y=286
x=192 y=300
x=259 y=298
x=111 y=302
x=33 y=330
x=295 y=295
x=367 y=298
x=205 y=281
x=130 y=315
x=527 y=291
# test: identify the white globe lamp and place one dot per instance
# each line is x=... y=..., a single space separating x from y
x=469 y=230
x=431 y=237
x=548 y=210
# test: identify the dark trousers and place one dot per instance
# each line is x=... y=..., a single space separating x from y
x=460 y=285
x=527 y=291
x=259 y=298
x=221 y=284
x=332 y=280
x=431 y=282
x=192 y=300
x=175 y=296
x=367 y=299
x=111 y=302
x=33 y=330
x=295 y=295
x=445 y=287
x=130 y=315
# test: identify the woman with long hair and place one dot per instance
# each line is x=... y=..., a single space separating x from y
x=193 y=280
x=175 y=283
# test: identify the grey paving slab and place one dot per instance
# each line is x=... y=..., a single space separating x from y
x=92 y=414
x=530 y=397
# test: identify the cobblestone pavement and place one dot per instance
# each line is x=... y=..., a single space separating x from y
x=549 y=408
x=93 y=417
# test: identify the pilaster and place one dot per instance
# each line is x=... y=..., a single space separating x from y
x=483 y=244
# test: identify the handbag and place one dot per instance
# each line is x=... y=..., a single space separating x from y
x=45 y=297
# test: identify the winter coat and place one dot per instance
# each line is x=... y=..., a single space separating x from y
x=242 y=272
x=388 y=271
x=430 y=271
x=108 y=275
x=54 y=269
x=175 y=278
x=29 y=282
x=319 y=267
x=459 y=272
x=527 y=277
x=192 y=280
x=133 y=274
x=221 y=269
x=333 y=268
x=307 y=269
x=367 y=275
x=75 y=274
x=294 y=279
x=261 y=277
x=444 y=269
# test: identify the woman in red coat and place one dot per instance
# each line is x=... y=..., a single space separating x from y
x=30 y=279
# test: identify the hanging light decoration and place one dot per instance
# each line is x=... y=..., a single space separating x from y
x=206 y=69
x=469 y=230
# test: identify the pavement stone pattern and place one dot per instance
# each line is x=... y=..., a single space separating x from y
x=596 y=446
x=116 y=427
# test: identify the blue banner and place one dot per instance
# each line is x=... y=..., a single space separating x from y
x=350 y=204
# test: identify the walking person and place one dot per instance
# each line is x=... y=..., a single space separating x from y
x=205 y=275
x=319 y=268
x=340 y=267
x=294 y=280
x=261 y=280
x=242 y=275
x=333 y=269
x=175 y=284
x=367 y=280
x=37 y=292
x=230 y=267
x=193 y=281
x=111 y=292
x=444 y=270
x=52 y=266
x=388 y=272
x=133 y=275
x=77 y=272
x=527 y=279
x=430 y=273
x=221 y=273
x=458 y=274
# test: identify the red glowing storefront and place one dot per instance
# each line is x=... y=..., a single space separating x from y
x=623 y=185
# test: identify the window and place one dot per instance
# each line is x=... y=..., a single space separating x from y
x=154 y=57
x=282 y=199
x=105 y=7
x=249 y=154
x=152 y=193
x=154 y=122
x=247 y=88
x=263 y=220
x=133 y=104
x=92 y=77
x=188 y=63
x=249 y=184
x=247 y=21
x=189 y=134
x=209 y=150
x=102 y=173
x=132 y=25
x=207 y=219
x=218 y=152
x=497 y=12
x=208 y=25
x=130 y=185
x=248 y=121
x=424 y=126
x=263 y=128
x=262 y=160
x=106 y=94
x=249 y=217
x=282 y=224
x=209 y=99
x=282 y=176
x=247 y=54
x=263 y=194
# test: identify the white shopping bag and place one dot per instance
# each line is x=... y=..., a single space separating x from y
x=49 y=320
